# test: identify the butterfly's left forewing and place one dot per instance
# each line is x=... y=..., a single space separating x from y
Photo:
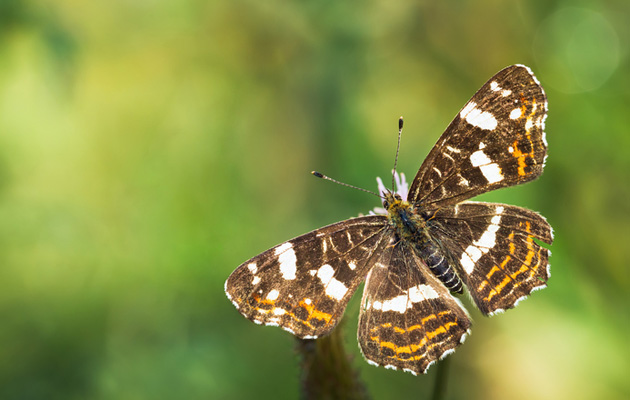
x=304 y=284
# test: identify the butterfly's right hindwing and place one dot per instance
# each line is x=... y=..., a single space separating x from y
x=494 y=251
x=304 y=284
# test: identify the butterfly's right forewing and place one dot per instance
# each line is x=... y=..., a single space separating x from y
x=496 y=140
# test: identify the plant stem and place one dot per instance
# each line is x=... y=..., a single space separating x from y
x=441 y=377
x=327 y=371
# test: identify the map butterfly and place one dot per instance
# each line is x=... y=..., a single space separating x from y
x=429 y=245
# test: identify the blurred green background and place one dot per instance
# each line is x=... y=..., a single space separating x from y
x=147 y=148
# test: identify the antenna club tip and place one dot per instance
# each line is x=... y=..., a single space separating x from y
x=317 y=174
x=400 y=122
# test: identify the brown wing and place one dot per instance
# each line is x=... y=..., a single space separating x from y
x=494 y=251
x=303 y=285
x=408 y=318
x=496 y=140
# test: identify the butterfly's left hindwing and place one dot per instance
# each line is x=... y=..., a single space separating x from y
x=408 y=318
x=304 y=284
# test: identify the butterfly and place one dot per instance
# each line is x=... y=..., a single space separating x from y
x=428 y=246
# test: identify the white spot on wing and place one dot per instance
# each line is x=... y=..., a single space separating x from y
x=506 y=93
x=410 y=371
x=446 y=353
x=398 y=303
x=287 y=260
x=291 y=331
x=495 y=312
x=252 y=268
x=352 y=265
x=494 y=86
x=478 y=118
x=472 y=254
x=488 y=239
x=279 y=311
x=401 y=302
x=371 y=362
x=325 y=273
x=422 y=292
x=497 y=218
x=256 y=280
x=536 y=288
x=467 y=262
x=467 y=109
x=491 y=171
x=481 y=246
x=273 y=295
x=283 y=247
x=334 y=288
x=479 y=158
x=226 y=290
x=529 y=124
x=516 y=113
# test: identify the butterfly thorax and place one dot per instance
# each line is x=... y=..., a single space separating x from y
x=411 y=227
x=408 y=223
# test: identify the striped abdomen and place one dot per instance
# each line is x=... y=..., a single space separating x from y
x=438 y=264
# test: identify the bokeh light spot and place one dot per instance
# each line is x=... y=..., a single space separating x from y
x=577 y=49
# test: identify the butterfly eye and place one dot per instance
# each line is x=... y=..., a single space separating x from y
x=397 y=196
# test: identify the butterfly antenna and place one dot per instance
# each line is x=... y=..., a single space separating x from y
x=400 y=126
x=320 y=175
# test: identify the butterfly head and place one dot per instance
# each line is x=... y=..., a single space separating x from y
x=391 y=200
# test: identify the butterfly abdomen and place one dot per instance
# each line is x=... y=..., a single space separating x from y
x=411 y=228
x=433 y=257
